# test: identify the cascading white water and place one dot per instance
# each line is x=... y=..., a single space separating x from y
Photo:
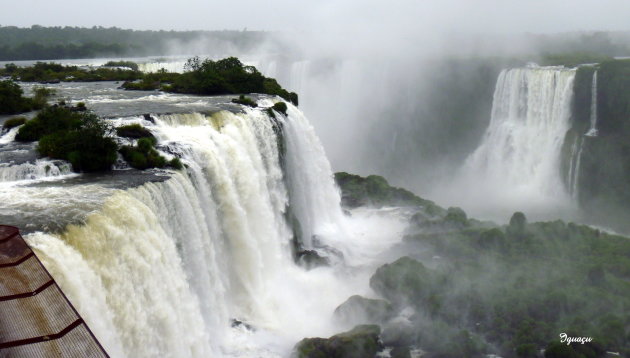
x=176 y=66
x=41 y=169
x=574 y=165
x=161 y=269
x=315 y=200
x=130 y=261
x=9 y=136
x=578 y=145
x=592 y=131
x=517 y=164
x=332 y=91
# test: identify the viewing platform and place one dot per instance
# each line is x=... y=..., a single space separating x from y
x=36 y=317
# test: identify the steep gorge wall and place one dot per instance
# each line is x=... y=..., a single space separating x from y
x=604 y=176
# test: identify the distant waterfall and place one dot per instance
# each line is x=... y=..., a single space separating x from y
x=161 y=269
x=176 y=66
x=574 y=165
x=592 y=131
x=517 y=163
x=578 y=145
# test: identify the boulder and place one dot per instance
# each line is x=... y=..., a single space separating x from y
x=404 y=281
x=358 y=310
x=147 y=117
x=400 y=352
x=399 y=333
x=310 y=259
x=360 y=342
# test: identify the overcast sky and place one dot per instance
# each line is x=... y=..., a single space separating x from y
x=328 y=15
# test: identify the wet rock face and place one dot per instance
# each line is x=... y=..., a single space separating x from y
x=360 y=342
x=399 y=352
x=310 y=259
x=360 y=310
x=404 y=281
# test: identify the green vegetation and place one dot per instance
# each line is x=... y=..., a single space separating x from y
x=46 y=43
x=79 y=137
x=571 y=59
x=11 y=100
x=134 y=131
x=144 y=156
x=246 y=101
x=152 y=81
x=160 y=80
x=13 y=122
x=40 y=97
x=176 y=164
x=129 y=64
x=562 y=350
x=478 y=288
x=226 y=76
x=511 y=290
x=53 y=72
x=142 y=85
x=361 y=342
x=374 y=190
x=50 y=120
x=37 y=51
x=280 y=107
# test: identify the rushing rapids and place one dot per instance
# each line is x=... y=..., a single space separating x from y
x=198 y=263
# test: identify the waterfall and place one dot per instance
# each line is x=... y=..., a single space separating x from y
x=176 y=66
x=160 y=270
x=41 y=169
x=574 y=166
x=592 y=131
x=9 y=136
x=517 y=164
x=578 y=145
x=315 y=200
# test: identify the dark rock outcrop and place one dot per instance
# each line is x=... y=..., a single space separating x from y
x=360 y=342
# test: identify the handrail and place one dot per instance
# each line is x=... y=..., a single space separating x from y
x=15 y=251
x=19 y=261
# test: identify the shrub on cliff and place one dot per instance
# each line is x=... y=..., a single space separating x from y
x=375 y=190
x=144 y=156
x=280 y=107
x=246 y=101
